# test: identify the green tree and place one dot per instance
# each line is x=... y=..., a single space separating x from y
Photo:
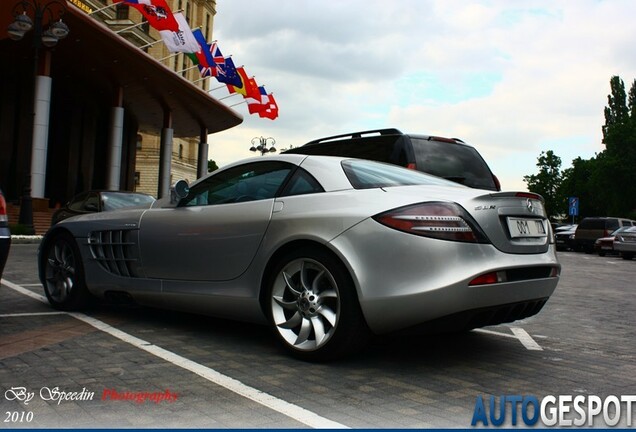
x=547 y=183
x=615 y=172
x=212 y=166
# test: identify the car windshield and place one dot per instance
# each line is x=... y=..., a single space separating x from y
x=117 y=200
x=365 y=174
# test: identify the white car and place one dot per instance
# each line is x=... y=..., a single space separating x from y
x=625 y=243
x=326 y=250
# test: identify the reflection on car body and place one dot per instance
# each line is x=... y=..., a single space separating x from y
x=325 y=250
x=98 y=201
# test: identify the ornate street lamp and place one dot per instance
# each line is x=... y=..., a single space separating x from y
x=263 y=145
x=36 y=15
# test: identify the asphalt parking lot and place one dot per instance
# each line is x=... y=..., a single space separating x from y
x=134 y=367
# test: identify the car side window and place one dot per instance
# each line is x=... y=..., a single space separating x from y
x=302 y=183
x=250 y=182
x=78 y=203
x=91 y=204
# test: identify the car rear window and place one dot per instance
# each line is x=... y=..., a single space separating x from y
x=456 y=162
x=365 y=174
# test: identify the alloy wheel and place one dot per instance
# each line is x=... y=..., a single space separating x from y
x=305 y=304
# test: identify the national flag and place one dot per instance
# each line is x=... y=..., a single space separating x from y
x=205 y=62
x=156 y=12
x=181 y=40
x=255 y=106
x=271 y=111
x=244 y=81
x=227 y=74
x=216 y=54
x=249 y=89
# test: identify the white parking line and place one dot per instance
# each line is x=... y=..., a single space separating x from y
x=526 y=339
x=518 y=333
x=290 y=410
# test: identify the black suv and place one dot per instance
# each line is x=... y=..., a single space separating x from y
x=449 y=158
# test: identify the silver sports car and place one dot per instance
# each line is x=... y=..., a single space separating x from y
x=326 y=250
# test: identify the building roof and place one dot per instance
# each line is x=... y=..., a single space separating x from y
x=94 y=53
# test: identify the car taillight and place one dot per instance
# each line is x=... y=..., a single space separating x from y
x=411 y=166
x=443 y=221
x=3 y=209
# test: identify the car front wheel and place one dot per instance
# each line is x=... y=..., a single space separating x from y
x=64 y=283
x=313 y=306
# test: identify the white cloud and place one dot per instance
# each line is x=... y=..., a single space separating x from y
x=510 y=78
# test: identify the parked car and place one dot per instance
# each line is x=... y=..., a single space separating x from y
x=564 y=236
x=326 y=250
x=625 y=243
x=99 y=201
x=592 y=228
x=5 y=233
x=605 y=245
x=449 y=158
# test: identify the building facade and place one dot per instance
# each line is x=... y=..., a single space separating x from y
x=105 y=108
x=123 y=19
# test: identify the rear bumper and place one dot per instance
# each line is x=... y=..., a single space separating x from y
x=404 y=280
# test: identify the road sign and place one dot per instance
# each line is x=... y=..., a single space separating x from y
x=573 y=206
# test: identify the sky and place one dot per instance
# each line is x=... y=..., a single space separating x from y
x=511 y=78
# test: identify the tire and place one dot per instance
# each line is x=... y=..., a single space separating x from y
x=627 y=255
x=601 y=254
x=313 y=306
x=64 y=283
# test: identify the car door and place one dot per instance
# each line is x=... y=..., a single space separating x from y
x=214 y=233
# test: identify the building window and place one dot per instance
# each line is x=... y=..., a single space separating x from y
x=137 y=178
x=145 y=27
x=180 y=151
x=176 y=62
x=139 y=140
x=121 y=12
x=184 y=66
x=188 y=12
x=207 y=26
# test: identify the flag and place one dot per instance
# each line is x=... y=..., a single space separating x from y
x=271 y=111
x=227 y=74
x=249 y=88
x=204 y=56
x=216 y=54
x=255 y=106
x=181 y=40
x=156 y=12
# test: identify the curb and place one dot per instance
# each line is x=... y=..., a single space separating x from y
x=24 y=239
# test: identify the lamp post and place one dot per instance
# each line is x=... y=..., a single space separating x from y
x=28 y=15
x=259 y=144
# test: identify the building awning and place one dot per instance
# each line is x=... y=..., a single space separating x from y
x=93 y=53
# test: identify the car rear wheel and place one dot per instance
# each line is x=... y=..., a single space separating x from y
x=627 y=255
x=313 y=306
x=64 y=283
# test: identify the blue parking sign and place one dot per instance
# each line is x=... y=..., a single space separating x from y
x=573 y=206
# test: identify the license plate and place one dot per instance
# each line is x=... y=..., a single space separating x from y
x=520 y=227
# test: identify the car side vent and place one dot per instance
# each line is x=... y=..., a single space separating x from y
x=115 y=251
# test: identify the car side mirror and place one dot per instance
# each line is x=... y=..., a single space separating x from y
x=91 y=207
x=178 y=191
